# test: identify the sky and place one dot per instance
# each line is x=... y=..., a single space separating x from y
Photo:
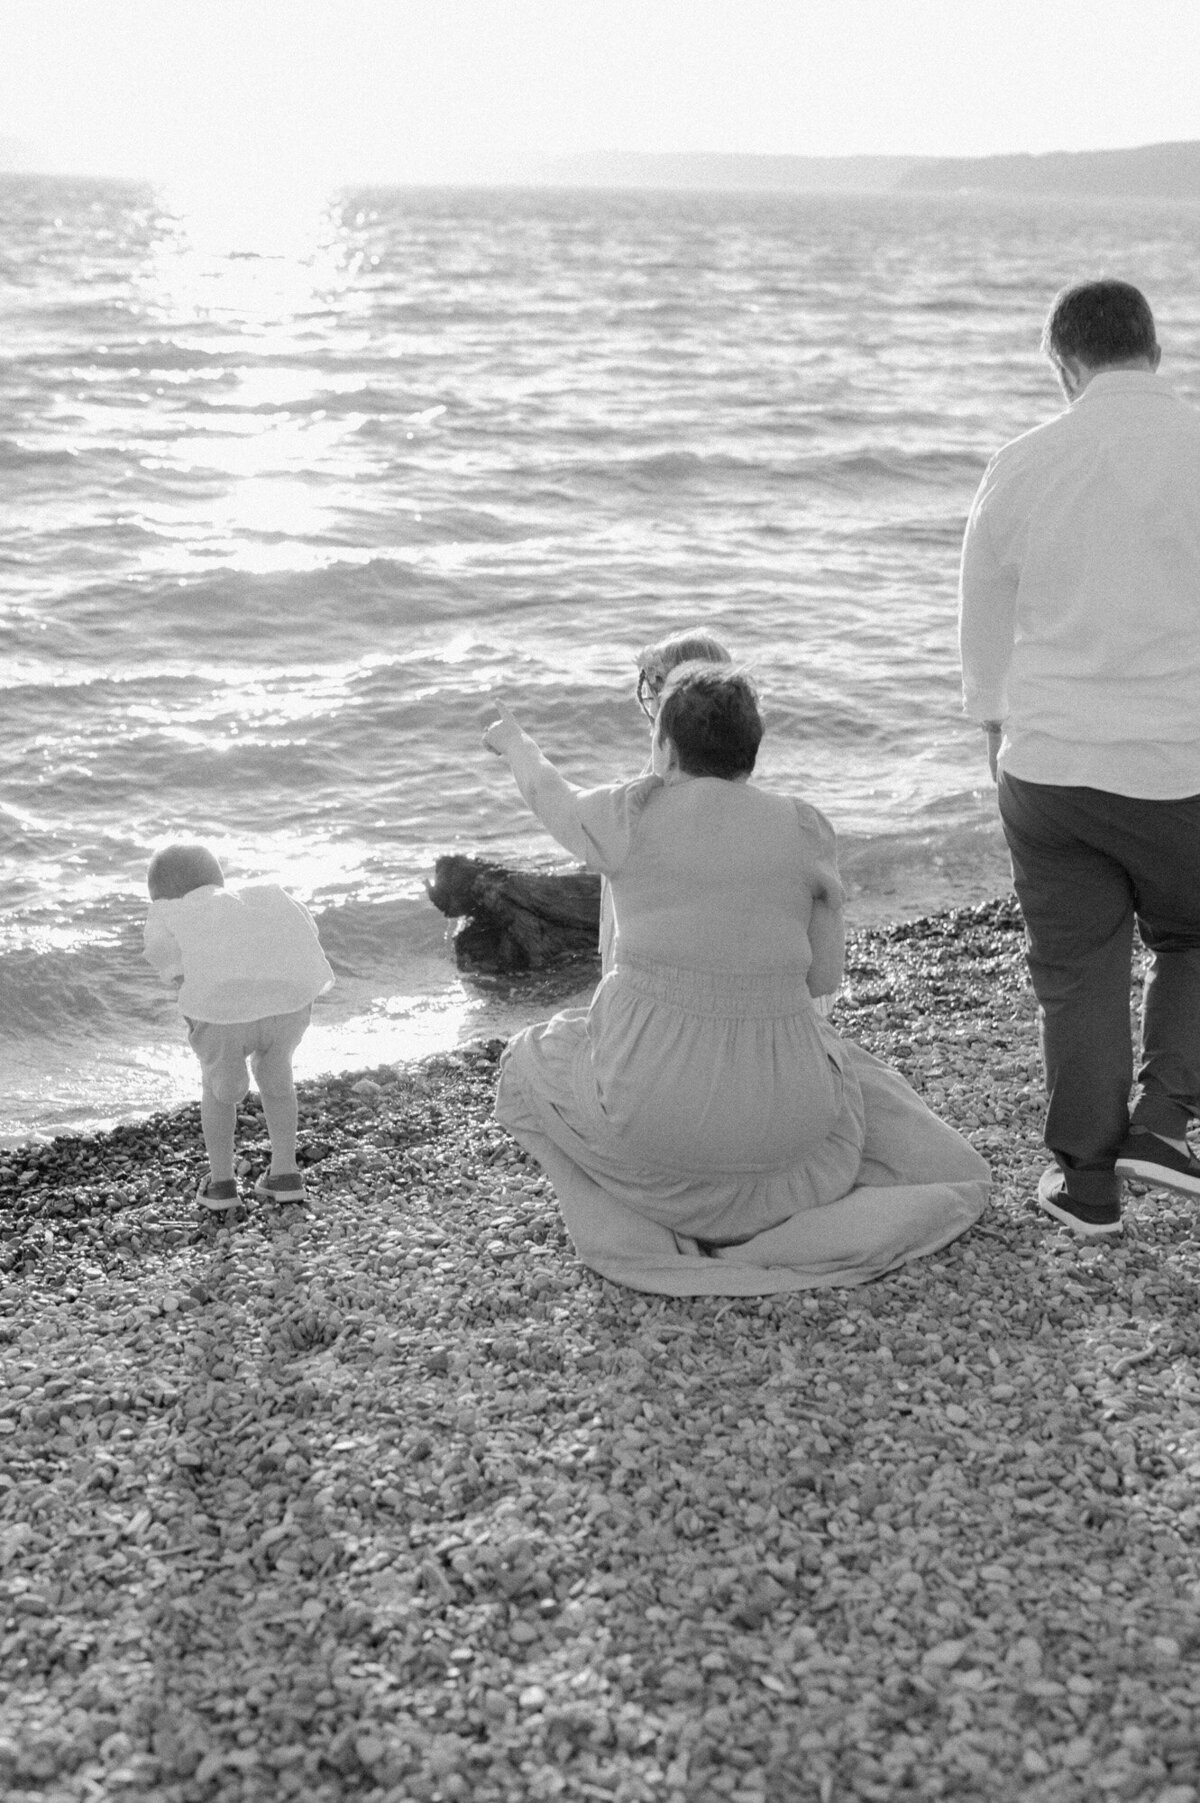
x=447 y=90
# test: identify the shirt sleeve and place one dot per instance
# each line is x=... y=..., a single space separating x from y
x=298 y=907
x=548 y=794
x=987 y=603
x=607 y=818
x=827 y=883
x=161 y=948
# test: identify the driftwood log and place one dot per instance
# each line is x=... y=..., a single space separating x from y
x=516 y=920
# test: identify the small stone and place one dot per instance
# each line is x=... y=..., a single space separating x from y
x=370 y=1749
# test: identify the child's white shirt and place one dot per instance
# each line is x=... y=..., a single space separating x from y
x=243 y=954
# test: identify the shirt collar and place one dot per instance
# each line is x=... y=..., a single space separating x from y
x=1124 y=381
x=205 y=890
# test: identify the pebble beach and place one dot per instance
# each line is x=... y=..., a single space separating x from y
x=389 y=1498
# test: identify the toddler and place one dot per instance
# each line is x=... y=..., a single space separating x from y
x=248 y=966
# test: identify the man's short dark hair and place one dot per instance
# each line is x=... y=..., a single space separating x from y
x=1100 y=323
x=711 y=717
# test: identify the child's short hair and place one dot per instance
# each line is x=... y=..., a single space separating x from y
x=176 y=870
x=711 y=717
x=655 y=662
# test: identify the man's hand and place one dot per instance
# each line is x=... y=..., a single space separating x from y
x=500 y=729
x=995 y=732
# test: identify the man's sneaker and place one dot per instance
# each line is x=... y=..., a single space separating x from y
x=217 y=1195
x=1156 y=1161
x=1094 y=1220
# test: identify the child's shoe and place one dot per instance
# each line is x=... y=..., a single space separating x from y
x=217 y=1195
x=288 y=1186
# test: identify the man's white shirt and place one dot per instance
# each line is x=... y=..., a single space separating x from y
x=1079 y=617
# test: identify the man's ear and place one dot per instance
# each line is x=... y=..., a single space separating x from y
x=1156 y=359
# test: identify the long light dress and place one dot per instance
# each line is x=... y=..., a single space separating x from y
x=701 y=1093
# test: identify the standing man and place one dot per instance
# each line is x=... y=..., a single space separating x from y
x=1080 y=638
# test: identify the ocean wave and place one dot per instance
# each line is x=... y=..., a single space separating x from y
x=166 y=355
x=17 y=456
x=939 y=468
x=379 y=403
x=780 y=467
x=369 y=939
x=92 y=989
x=651 y=471
x=952 y=304
x=273 y=615
x=893 y=872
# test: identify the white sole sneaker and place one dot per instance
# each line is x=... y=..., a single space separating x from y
x=295 y=1192
x=1152 y=1160
x=214 y=1205
x=1092 y=1221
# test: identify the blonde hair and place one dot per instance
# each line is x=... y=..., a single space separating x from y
x=656 y=661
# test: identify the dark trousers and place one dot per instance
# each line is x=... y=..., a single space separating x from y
x=1086 y=865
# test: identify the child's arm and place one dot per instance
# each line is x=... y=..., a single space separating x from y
x=551 y=797
x=161 y=948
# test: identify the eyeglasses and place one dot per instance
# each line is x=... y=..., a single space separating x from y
x=647 y=694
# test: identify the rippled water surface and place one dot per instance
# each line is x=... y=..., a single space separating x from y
x=278 y=514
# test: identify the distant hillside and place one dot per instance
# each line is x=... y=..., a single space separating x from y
x=1152 y=171
x=631 y=169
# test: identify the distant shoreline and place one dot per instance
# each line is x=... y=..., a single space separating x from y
x=1151 y=171
x=1162 y=172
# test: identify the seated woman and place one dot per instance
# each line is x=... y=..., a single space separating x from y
x=703 y=1126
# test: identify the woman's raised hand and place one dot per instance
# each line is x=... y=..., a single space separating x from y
x=500 y=729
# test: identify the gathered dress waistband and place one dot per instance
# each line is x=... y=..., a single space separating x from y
x=724 y=994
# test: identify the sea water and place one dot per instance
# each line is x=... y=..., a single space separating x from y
x=284 y=507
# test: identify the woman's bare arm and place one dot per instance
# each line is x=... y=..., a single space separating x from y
x=827 y=924
x=827 y=941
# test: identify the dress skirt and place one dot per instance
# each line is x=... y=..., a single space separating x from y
x=686 y=1114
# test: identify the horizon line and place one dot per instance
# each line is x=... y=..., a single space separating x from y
x=19 y=157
